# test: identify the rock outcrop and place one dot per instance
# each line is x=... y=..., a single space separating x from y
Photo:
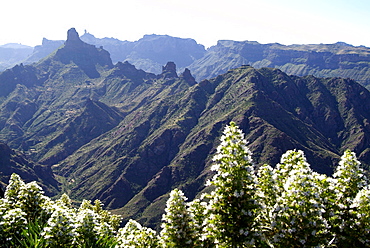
x=188 y=77
x=84 y=55
x=42 y=51
x=169 y=70
x=73 y=39
x=127 y=137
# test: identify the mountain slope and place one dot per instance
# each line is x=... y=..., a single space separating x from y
x=168 y=141
x=127 y=137
x=50 y=108
x=277 y=113
x=11 y=54
x=43 y=50
x=322 y=60
x=15 y=162
x=150 y=52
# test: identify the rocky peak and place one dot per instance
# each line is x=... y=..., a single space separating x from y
x=128 y=70
x=84 y=55
x=169 y=70
x=73 y=38
x=186 y=75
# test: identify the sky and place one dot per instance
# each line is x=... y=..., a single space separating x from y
x=266 y=21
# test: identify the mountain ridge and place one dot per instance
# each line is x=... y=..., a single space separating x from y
x=14 y=162
x=322 y=60
x=152 y=51
x=127 y=137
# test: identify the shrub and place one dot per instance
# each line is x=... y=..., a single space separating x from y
x=288 y=206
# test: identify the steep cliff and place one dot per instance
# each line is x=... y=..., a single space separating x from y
x=322 y=60
x=127 y=137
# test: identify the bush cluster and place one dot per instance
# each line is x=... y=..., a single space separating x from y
x=249 y=206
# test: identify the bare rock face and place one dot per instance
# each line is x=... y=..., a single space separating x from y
x=73 y=38
x=319 y=60
x=188 y=77
x=84 y=55
x=41 y=51
x=169 y=70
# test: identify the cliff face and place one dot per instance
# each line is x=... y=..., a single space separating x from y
x=151 y=52
x=127 y=137
x=84 y=55
x=332 y=60
x=42 y=51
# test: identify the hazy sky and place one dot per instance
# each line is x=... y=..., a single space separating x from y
x=265 y=21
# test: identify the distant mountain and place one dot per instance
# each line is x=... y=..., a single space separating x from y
x=119 y=50
x=12 y=54
x=150 y=52
x=127 y=137
x=15 y=46
x=322 y=60
x=42 y=51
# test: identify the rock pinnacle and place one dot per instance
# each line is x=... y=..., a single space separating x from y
x=73 y=37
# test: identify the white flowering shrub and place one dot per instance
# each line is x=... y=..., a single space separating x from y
x=360 y=223
x=199 y=213
x=93 y=223
x=177 y=230
x=267 y=194
x=297 y=217
x=64 y=201
x=233 y=205
x=86 y=226
x=349 y=180
x=12 y=222
x=32 y=201
x=133 y=235
x=109 y=223
x=23 y=203
x=267 y=186
x=13 y=189
x=60 y=229
x=288 y=206
x=30 y=219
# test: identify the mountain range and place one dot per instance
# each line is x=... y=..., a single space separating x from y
x=99 y=129
x=151 y=52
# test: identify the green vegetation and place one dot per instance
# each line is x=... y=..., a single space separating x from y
x=128 y=137
x=320 y=60
x=288 y=206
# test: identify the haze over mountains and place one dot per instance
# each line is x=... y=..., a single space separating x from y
x=151 y=52
x=112 y=131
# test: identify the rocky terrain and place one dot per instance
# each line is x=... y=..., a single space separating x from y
x=15 y=162
x=321 y=60
x=151 y=52
x=114 y=132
